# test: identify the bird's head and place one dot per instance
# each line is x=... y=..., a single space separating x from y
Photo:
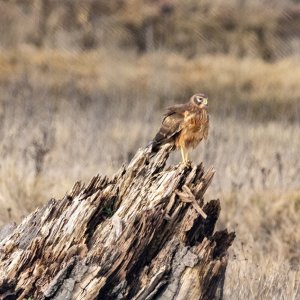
x=200 y=100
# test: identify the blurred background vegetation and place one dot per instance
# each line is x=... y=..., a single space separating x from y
x=83 y=84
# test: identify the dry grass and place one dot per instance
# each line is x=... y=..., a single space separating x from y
x=247 y=87
x=263 y=212
x=64 y=117
x=265 y=258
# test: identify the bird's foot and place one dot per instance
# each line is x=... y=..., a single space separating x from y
x=187 y=163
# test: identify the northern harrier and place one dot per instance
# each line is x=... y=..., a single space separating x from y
x=184 y=125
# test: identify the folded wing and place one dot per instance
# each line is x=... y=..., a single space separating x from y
x=171 y=126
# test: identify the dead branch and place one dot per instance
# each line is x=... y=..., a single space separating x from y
x=145 y=233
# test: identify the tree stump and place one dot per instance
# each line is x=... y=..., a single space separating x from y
x=145 y=233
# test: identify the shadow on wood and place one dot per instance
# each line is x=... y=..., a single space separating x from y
x=146 y=233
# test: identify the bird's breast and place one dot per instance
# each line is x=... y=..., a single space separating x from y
x=195 y=121
x=195 y=128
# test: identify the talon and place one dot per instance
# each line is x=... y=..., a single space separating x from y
x=188 y=163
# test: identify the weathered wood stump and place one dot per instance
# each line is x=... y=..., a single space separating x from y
x=146 y=233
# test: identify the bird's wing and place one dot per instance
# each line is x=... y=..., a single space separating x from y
x=177 y=109
x=171 y=124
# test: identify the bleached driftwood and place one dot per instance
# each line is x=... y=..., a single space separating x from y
x=146 y=233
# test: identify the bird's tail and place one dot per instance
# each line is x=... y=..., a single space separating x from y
x=157 y=142
x=153 y=146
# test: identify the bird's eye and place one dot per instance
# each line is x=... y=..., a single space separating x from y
x=199 y=99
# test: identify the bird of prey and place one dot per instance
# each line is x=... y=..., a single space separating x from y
x=184 y=125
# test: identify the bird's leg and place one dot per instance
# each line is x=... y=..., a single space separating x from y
x=182 y=153
x=186 y=155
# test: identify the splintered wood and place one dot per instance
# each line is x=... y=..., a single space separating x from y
x=146 y=233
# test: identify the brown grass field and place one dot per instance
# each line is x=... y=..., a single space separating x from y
x=78 y=99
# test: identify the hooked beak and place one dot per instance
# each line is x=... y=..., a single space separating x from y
x=205 y=102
